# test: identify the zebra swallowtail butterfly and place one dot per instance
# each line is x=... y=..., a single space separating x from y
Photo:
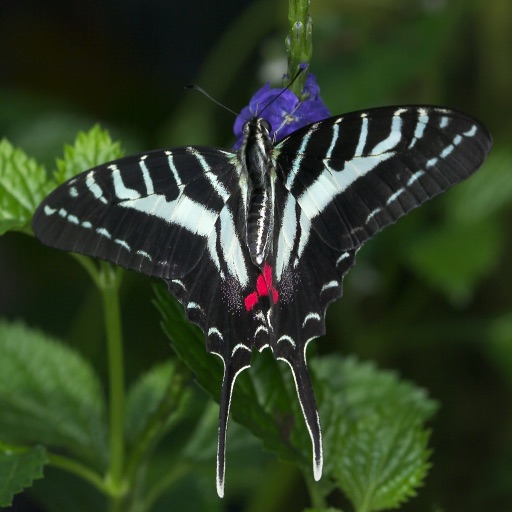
x=255 y=243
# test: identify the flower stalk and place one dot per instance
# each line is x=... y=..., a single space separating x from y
x=299 y=43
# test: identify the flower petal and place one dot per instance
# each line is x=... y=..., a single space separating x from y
x=283 y=110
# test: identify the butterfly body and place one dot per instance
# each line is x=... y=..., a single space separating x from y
x=257 y=164
x=255 y=243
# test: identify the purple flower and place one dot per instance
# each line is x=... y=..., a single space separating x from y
x=287 y=113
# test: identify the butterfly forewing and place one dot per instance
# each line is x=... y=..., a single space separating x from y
x=152 y=213
x=357 y=173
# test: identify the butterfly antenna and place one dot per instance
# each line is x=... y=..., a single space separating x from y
x=301 y=70
x=202 y=91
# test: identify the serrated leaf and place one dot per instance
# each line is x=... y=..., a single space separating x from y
x=373 y=432
x=157 y=397
x=354 y=388
x=90 y=149
x=381 y=461
x=49 y=395
x=19 y=467
x=23 y=185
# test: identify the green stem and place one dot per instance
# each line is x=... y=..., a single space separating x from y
x=315 y=493
x=90 y=267
x=109 y=282
x=108 y=279
x=299 y=42
x=78 y=469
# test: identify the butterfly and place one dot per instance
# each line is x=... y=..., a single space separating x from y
x=255 y=242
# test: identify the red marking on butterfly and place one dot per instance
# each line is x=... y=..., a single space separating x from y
x=264 y=287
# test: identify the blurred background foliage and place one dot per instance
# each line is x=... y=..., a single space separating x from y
x=430 y=297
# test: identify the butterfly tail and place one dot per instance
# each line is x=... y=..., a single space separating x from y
x=308 y=405
x=240 y=361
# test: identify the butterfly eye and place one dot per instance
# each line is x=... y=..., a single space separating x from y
x=266 y=126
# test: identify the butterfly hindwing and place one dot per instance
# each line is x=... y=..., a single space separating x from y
x=308 y=276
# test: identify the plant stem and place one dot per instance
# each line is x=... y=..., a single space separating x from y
x=315 y=493
x=109 y=281
x=299 y=42
x=78 y=469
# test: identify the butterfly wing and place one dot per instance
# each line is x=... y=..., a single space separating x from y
x=177 y=215
x=355 y=174
x=152 y=213
x=214 y=294
x=340 y=182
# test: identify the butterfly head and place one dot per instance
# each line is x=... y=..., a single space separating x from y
x=257 y=129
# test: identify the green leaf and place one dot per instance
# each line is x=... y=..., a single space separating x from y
x=353 y=388
x=23 y=185
x=19 y=467
x=49 y=395
x=381 y=461
x=90 y=149
x=374 y=439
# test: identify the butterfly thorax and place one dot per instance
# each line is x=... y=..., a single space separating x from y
x=257 y=166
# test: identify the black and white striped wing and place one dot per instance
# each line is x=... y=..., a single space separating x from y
x=343 y=179
x=340 y=181
x=152 y=213
x=177 y=215
x=355 y=174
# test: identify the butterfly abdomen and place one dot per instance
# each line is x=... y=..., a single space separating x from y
x=259 y=225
